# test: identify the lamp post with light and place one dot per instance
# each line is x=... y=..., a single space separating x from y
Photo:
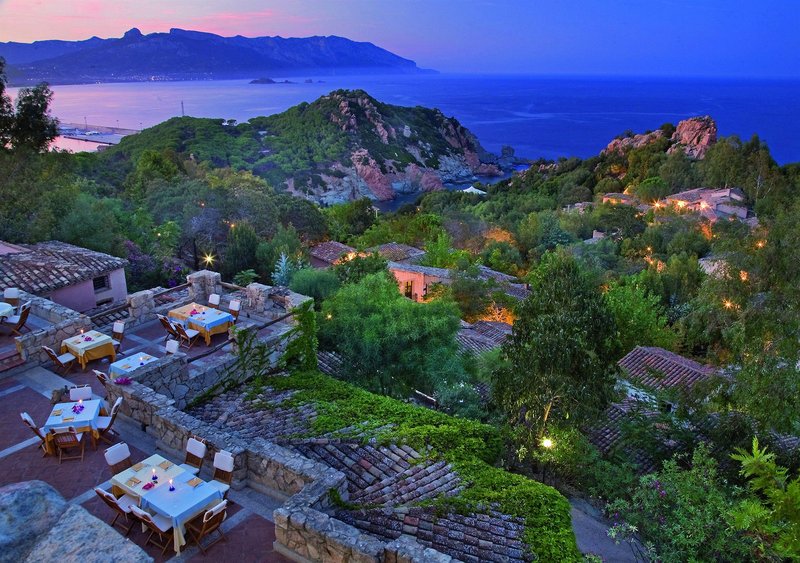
x=547 y=444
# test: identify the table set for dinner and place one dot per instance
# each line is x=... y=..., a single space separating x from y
x=208 y=321
x=167 y=489
x=88 y=346
x=80 y=415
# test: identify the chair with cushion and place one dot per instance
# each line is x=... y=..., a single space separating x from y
x=195 y=454
x=118 y=458
x=63 y=362
x=206 y=525
x=223 y=472
x=187 y=336
x=11 y=296
x=120 y=506
x=213 y=300
x=101 y=377
x=105 y=423
x=117 y=335
x=80 y=393
x=158 y=525
x=235 y=308
x=26 y=418
x=66 y=440
x=17 y=322
x=169 y=327
x=172 y=346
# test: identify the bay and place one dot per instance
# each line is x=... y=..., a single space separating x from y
x=539 y=116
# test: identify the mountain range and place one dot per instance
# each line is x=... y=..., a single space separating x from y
x=192 y=55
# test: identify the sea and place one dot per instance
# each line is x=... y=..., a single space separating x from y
x=540 y=117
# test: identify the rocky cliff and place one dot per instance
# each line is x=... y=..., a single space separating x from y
x=693 y=136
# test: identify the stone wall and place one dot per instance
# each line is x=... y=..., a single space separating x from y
x=202 y=284
x=141 y=308
x=65 y=323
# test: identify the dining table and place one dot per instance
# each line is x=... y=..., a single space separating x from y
x=66 y=415
x=88 y=346
x=6 y=309
x=190 y=497
x=208 y=321
x=125 y=366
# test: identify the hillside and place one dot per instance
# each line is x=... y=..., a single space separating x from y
x=341 y=147
x=192 y=55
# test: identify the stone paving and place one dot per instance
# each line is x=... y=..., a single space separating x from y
x=249 y=528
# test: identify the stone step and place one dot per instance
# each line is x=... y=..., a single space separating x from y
x=10 y=360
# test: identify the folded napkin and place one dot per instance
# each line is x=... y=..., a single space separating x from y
x=138 y=467
x=57 y=413
x=132 y=482
x=148 y=486
x=166 y=464
x=194 y=482
x=145 y=357
x=67 y=418
x=125 y=366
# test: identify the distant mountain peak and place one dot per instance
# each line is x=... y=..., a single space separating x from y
x=133 y=33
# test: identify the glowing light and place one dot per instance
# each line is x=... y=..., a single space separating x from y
x=547 y=443
x=329 y=316
x=761 y=244
x=681 y=204
x=743 y=275
x=208 y=259
x=728 y=304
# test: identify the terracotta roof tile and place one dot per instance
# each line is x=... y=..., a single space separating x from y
x=661 y=369
x=330 y=251
x=396 y=252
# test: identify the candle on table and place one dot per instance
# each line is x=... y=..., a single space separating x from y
x=171 y=486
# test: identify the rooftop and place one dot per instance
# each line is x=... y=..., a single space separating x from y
x=661 y=369
x=397 y=252
x=48 y=266
x=330 y=251
x=482 y=336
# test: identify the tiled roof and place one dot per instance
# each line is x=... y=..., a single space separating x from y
x=488 y=273
x=516 y=290
x=661 y=369
x=427 y=270
x=330 y=251
x=396 y=252
x=47 y=266
x=482 y=336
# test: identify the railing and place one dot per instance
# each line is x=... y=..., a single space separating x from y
x=232 y=287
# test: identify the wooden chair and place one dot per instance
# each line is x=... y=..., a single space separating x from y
x=63 y=362
x=117 y=335
x=195 y=454
x=213 y=300
x=207 y=524
x=68 y=439
x=120 y=506
x=11 y=296
x=172 y=346
x=169 y=327
x=80 y=393
x=235 y=309
x=105 y=423
x=118 y=458
x=19 y=320
x=223 y=472
x=186 y=336
x=158 y=525
x=101 y=377
x=26 y=418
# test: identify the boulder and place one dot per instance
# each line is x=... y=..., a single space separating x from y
x=694 y=136
x=37 y=524
x=624 y=144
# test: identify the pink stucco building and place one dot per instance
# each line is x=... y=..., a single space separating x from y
x=69 y=275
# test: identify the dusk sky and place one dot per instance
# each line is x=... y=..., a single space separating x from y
x=617 y=37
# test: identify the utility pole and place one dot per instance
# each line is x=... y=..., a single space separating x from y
x=183 y=114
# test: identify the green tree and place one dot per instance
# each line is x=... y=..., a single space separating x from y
x=561 y=351
x=652 y=189
x=439 y=252
x=639 y=316
x=240 y=253
x=349 y=219
x=388 y=343
x=28 y=126
x=319 y=284
x=359 y=267
x=286 y=241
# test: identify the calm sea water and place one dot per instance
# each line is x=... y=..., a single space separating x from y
x=539 y=117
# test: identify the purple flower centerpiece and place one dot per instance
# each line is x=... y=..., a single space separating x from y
x=193 y=312
x=123 y=381
x=87 y=338
x=77 y=409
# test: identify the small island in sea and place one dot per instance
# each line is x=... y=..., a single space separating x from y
x=271 y=81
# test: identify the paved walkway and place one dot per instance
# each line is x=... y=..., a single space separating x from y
x=249 y=528
x=591 y=535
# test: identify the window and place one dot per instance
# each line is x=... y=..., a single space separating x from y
x=101 y=283
x=409 y=292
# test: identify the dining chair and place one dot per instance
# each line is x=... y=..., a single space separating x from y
x=158 y=526
x=117 y=335
x=101 y=377
x=66 y=440
x=213 y=300
x=208 y=523
x=186 y=335
x=80 y=393
x=26 y=418
x=223 y=472
x=105 y=423
x=195 y=454
x=63 y=362
x=118 y=457
x=19 y=321
x=120 y=506
x=235 y=309
x=11 y=296
x=168 y=326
